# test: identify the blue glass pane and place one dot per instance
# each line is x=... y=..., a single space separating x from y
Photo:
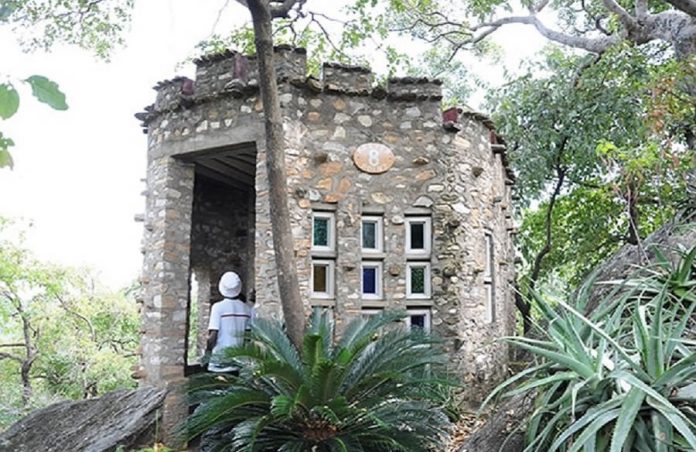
x=369 y=235
x=369 y=281
x=418 y=321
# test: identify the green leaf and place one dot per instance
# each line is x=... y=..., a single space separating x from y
x=9 y=100
x=627 y=416
x=6 y=159
x=677 y=419
x=47 y=91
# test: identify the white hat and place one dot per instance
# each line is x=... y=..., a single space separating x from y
x=230 y=285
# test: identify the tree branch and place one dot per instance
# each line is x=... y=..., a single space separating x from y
x=282 y=8
x=12 y=357
x=688 y=6
x=67 y=309
x=594 y=45
x=626 y=19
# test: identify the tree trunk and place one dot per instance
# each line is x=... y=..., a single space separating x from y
x=27 y=390
x=293 y=308
x=521 y=302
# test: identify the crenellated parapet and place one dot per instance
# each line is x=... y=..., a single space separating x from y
x=231 y=74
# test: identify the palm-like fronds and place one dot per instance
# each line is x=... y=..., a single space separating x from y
x=621 y=378
x=375 y=389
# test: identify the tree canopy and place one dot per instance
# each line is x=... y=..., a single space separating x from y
x=62 y=335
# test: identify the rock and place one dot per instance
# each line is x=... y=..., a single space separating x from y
x=340 y=118
x=122 y=418
x=365 y=120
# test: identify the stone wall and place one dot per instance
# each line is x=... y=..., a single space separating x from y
x=455 y=176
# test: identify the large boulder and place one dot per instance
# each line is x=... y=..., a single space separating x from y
x=121 y=418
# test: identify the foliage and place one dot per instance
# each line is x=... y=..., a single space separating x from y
x=71 y=338
x=588 y=225
x=622 y=378
x=94 y=25
x=375 y=389
x=43 y=89
x=592 y=120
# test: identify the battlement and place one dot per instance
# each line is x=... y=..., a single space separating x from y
x=230 y=73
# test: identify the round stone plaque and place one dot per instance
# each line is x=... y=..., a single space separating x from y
x=373 y=158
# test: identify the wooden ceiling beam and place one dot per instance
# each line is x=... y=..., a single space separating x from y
x=227 y=170
x=206 y=172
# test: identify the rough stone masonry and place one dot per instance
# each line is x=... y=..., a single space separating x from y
x=391 y=207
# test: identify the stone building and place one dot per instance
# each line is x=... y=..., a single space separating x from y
x=391 y=206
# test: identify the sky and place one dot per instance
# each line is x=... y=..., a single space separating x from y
x=77 y=175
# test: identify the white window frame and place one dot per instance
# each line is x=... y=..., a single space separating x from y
x=369 y=312
x=427 y=236
x=331 y=270
x=379 y=234
x=489 y=277
x=425 y=312
x=331 y=238
x=489 y=293
x=426 y=284
x=379 y=282
x=489 y=255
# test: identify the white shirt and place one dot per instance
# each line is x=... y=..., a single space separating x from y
x=230 y=317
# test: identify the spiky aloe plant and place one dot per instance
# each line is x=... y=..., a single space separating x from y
x=372 y=390
x=622 y=378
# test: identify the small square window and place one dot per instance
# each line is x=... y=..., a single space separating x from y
x=323 y=231
x=371 y=235
x=371 y=280
x=418 y=318
x=418 y=236
x=322 y=279
x=418 y=280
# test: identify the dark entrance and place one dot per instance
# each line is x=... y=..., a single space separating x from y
x=222 y=232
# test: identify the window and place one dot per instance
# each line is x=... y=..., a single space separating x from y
x=418 y=318
x=418 y=280
x=489 y=278
x=371 y=280
x=418 y=236
x=323 y=231
x=371 y=235
x=322 y=280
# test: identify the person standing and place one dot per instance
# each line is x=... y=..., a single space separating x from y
x=229 y=319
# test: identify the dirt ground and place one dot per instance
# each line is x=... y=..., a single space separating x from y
x=467 y=424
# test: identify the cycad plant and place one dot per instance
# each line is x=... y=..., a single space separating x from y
x=374 y=390
x=623 y=377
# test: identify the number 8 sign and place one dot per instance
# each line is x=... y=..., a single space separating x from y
x=373 y=158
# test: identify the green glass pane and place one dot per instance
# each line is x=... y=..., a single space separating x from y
x=418 y=280
x=320 y=278
x=320 y=236
x=369 y=235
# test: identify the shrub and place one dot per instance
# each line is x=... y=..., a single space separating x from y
x=375 y=389
x=624 y=376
